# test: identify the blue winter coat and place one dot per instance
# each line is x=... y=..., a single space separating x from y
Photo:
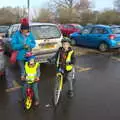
x=19 y=40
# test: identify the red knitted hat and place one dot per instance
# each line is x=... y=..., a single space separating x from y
x=24 y=23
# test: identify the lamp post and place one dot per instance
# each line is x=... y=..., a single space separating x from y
x=28 y=7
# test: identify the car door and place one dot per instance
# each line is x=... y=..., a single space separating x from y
x=71 y=29
x=96 y=36
x=65 y=29
x=68 y=29
x=82 y=40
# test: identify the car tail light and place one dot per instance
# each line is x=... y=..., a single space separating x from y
x=112 y=37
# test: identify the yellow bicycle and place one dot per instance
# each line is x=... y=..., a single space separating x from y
x=58 y=86
x=29 y=96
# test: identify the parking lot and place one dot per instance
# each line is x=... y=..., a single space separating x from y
x=96 y=91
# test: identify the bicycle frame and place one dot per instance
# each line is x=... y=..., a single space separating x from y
x=29 y=92
x=58 y=87
x=59 y=74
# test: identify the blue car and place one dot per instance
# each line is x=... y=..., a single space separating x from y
x=102 y=37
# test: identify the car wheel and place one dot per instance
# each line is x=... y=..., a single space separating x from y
x=103 y=47
x=73 y=42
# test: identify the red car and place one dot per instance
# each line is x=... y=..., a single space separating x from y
x=67 y=29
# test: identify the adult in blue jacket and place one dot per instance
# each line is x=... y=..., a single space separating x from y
x=22 y=41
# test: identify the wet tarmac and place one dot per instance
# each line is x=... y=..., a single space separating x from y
x=97 y=93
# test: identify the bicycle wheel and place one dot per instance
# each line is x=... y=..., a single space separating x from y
x=28 y=103
x=58 y=88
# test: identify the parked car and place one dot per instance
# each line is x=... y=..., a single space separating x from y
x=3 y=30
x=2 y=60
x=67 y=29
x=48 y=39
x=98 y=36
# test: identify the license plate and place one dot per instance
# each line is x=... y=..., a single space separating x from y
x=47 y=46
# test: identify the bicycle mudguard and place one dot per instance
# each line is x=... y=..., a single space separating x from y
x=28 y=103
x=29 y=98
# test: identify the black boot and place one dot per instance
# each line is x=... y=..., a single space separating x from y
x=70 y=93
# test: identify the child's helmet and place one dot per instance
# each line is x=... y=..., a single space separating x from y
x=31 y=58
x=66 y=39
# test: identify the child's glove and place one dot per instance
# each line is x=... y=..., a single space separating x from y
x=22 y=78
x=37 y=79
x=26 y=47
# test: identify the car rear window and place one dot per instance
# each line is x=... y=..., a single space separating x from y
x=115 y=30
x=45 y=32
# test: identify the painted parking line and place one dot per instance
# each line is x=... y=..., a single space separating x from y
x=115 y=58
x=84 y=51
x=17 y=86
x=14 y=88
x=15 y=83
x=82 y=69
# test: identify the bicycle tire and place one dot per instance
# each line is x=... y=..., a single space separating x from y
x=58 y=88
x=28 y=103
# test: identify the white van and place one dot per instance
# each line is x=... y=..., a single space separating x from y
x=48 y=39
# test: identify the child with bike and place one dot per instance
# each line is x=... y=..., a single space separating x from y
x=31 y=77
x=65 y=60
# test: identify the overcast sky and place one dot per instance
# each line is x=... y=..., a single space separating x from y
x=99 y=4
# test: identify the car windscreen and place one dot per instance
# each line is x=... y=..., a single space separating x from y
x=78 y=27
x=115 y=30
x=3 y=29
x=45 y=32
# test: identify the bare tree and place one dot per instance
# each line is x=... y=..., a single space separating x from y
x=64 y=3
x=44 y=15
x=109 y=17
x=70 y=10
x=6 y=16
x=83 y=5
x=9 y=15
x=19 y=13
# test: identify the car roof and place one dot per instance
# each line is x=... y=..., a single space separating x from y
x=73 y=24
x=114 y=26
x=102 y=26
x=4 y=26
x=36 y=24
